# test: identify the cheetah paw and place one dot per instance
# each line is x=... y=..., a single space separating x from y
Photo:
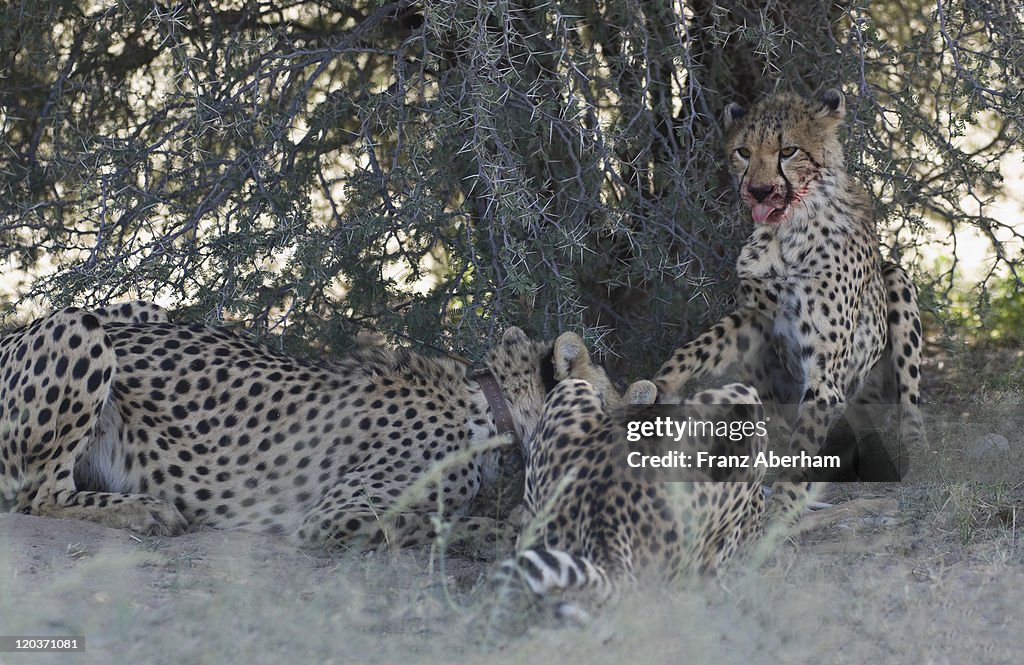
x=151 y=517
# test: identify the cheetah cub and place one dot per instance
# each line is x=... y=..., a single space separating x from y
x=596 y=530
x=821 y=319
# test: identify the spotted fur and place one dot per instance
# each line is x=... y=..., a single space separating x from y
x=819 y=311
x=597 y=530
x=118 y=416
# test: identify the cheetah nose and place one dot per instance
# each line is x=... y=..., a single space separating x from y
x=761 y=192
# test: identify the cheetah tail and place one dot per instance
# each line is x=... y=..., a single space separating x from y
x=544 y=569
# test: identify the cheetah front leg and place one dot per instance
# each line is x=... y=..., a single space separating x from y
x=821 y=407
x=739 y=336
x=816 y=351
x=815 y=417
x=368 y=529
x=348 y=516
x=743 y=336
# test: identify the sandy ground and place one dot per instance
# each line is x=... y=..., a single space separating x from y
x=943 y=585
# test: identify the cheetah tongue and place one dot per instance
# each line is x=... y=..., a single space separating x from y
x=761 y=212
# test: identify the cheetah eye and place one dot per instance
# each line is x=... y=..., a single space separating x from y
x=743 y=152
x=788 y=152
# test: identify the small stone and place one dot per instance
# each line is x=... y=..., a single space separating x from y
x=988 y=445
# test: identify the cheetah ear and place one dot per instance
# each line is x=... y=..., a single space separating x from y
x=569 y=354
x=641 y=392
x=733 y=112
x=514 y=335
x=833 y=105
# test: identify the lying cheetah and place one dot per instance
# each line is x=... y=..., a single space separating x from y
x=118 y=416
x=819 y=314
x=595 y=530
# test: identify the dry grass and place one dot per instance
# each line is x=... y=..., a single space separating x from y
x=915 y=593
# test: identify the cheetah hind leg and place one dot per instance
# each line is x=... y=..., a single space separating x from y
x=77 y=444
x=905 y=343
x=136 y=512
x=894 y=379
x=891 y=391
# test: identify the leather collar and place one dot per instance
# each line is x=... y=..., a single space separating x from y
x=496 y=401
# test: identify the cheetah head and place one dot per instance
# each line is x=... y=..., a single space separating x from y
x=779 y=148
x=528 y=370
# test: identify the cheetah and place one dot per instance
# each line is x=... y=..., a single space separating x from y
x=597 y=530
x=119 y=416
x=819 y=314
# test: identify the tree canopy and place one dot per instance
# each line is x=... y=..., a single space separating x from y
x=437 y=170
